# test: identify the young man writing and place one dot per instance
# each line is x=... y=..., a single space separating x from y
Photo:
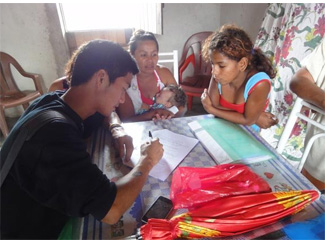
x=52 y=177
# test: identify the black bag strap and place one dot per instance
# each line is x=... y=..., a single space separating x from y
x=26 y=131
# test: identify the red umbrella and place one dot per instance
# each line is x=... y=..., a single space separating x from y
x=229 y=216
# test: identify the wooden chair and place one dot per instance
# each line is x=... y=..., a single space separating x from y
x=195 y=84
x=10 y=95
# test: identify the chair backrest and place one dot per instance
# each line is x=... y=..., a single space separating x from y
x=296 y=113
x=194 y=44
x=170 y=57
x=7 y=82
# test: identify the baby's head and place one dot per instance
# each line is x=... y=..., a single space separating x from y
x=171 y=95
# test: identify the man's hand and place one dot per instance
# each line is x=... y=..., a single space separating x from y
x=123 y=143
x=266 y=120
x=152 y=151
x=130 y=185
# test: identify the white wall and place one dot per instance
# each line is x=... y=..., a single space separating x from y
x=248 y=16
x=180 y=21
x=31 y=34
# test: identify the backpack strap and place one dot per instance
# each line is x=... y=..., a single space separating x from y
x=25 y=133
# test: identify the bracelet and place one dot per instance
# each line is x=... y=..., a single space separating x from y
x=113 y=126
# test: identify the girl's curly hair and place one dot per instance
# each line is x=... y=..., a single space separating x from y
x=234 y=43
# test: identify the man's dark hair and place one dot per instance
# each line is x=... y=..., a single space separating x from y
x=99 y=54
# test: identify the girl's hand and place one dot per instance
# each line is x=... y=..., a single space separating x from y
x=266 y=120
x=206 y=100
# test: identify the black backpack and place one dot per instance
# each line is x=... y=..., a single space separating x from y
x=26 y=131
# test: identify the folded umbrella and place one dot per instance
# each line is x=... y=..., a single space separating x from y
x=229 y=216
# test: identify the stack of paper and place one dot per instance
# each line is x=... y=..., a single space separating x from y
x=176 y=147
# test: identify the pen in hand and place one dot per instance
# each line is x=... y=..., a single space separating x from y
x=150 y=135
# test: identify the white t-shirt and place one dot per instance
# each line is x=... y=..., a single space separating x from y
x=315 y=163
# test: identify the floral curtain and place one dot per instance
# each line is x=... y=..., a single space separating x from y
x=289 y=32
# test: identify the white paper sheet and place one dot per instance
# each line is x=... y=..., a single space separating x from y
x=176 y=147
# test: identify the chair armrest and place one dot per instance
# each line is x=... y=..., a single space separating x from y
x=38 y=82
x=313 y=107
x=37 y=78
x=188 y=60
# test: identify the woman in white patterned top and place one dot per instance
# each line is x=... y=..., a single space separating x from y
x=151 y=78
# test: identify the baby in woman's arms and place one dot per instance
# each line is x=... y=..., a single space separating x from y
x=171 y=97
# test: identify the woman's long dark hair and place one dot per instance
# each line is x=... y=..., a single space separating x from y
x=141 y=35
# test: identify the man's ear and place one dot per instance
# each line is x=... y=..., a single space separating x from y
x=101 y=76
x=243 y=63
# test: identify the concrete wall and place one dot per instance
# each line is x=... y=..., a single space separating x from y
x=31 y=34
x=198 y=17
x=177 y=28
x=248 y=16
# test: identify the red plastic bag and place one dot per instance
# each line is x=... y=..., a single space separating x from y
x=192 y=187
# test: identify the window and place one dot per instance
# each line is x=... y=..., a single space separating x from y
x=98 y=16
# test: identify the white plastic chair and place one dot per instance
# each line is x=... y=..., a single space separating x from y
x=295 y=113
x=165 y=58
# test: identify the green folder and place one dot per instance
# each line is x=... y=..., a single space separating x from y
x=234 y=140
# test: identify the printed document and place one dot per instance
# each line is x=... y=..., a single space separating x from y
x=176 y=147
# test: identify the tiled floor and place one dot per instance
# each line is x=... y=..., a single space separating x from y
x=196 y=110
